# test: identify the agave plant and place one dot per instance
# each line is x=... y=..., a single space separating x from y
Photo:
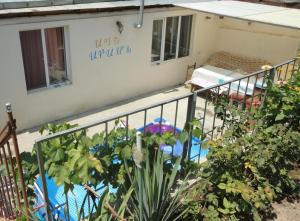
x=157 y=193
x=152 y=192
x=106 y=212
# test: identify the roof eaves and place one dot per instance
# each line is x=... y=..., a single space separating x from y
x=77 y=8
x=14 y=4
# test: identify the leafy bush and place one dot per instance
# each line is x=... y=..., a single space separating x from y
x=283 y=103
x=247 y=168
x=79 y=159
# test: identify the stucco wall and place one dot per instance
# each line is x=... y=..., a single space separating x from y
x=94 y=83
x=273 y=43
x=206 y=35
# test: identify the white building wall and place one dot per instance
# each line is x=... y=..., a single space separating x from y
x=273 y=43
x=94 y=83
x=206 y=35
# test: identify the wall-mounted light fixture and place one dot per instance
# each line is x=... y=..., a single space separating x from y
x=207 y=17
x=120 y=26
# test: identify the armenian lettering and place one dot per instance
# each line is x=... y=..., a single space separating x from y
x=109 y=47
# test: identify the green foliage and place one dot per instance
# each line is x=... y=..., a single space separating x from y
x=156 y=194
x=79 y=159
x=248 y=167
x=24 y=217
x=283 y=104
x=151 y=191
x=105 y=212
x=31 y=170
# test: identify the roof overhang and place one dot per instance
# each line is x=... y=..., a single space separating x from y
x=29 y=10
x=273 y=15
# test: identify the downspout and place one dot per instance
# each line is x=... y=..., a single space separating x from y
x=141 y=16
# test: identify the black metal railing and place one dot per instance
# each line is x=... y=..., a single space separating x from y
x=247 y=92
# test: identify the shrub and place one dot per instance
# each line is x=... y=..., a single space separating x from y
x=247 y=168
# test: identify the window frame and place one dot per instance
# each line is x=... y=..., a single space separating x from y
x=162 y=37
x=162 y=52
x=45 y=58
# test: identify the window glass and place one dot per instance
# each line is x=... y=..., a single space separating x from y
x=156 y=40
x=175 y=43
x=171 y=37
x=185 y=36
x=33 y=59
x=54 y=38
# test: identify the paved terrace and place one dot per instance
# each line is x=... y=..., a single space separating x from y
x=26 y=138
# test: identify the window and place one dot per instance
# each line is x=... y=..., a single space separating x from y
x=44 y=58
x=185 y=36
x=171 y=38
x=156 y=40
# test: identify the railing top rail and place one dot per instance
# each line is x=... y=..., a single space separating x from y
x=157 y=104
x=4 y=130
x=285 y=62
x=244 y=77
x=5 y=135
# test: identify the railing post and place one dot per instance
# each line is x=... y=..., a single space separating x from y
x=271 y=78
x=272 y=74
x=43 y=179
x=12 y=124
x=191 y=108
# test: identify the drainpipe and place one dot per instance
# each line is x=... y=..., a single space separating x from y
x=141 y=16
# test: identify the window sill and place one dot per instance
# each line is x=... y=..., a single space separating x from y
x=53 y=86
x=157 y=63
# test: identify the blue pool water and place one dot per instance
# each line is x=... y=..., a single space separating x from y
x=58 y=199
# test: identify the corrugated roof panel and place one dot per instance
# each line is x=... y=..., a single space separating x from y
x=249 y=11
x=231 y=8
x=290 y=18
x=101 y=6
x=14 y=4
